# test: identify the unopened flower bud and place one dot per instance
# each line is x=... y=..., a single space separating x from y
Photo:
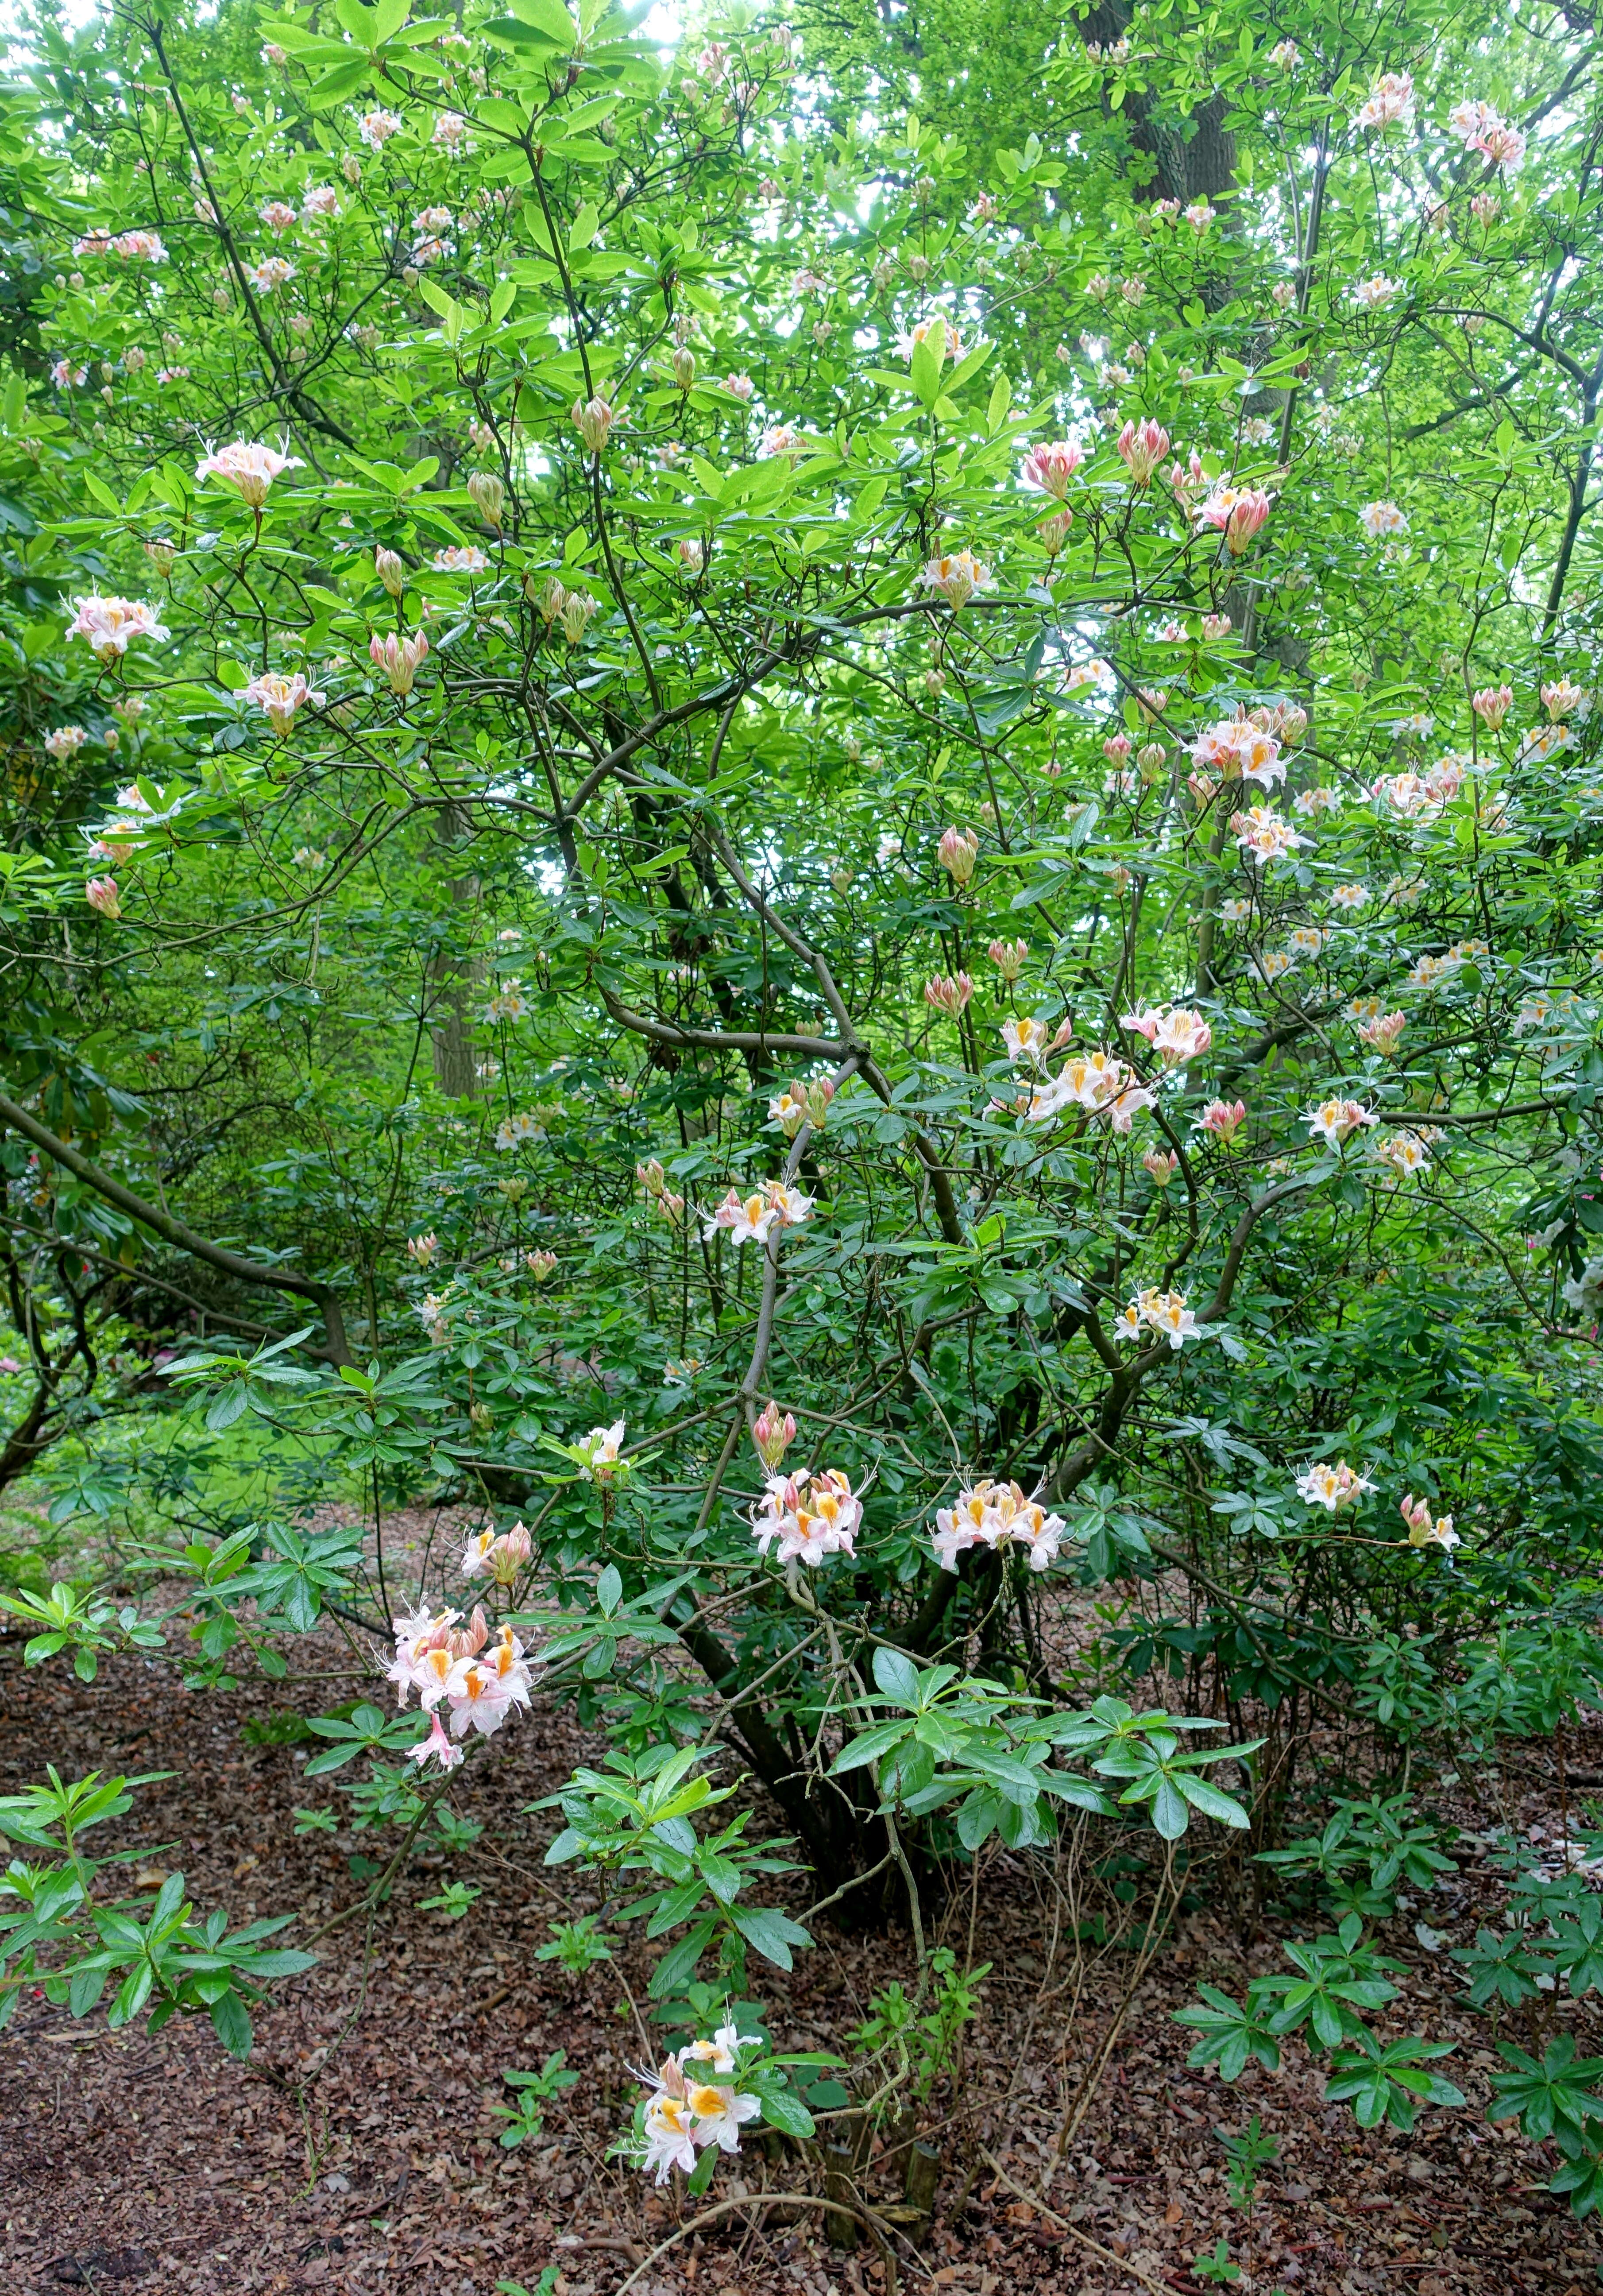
x=161 y=553
x=1151 y=759
x=771 y=1435
x=958 y=850
x=487 y=496
x=577 y=607
x=389 y=570
x=651 y=1176
x=594 y=420
x=684 y=365
x=1008 y=956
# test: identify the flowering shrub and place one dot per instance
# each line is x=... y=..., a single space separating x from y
x=691 y=905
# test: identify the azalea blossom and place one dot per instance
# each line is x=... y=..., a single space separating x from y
x=1389 y=101
x=747 y=1219
x=597 y=1453
x=1493 y=703
x=1423 y=1530
x=1383 y=1031
x=1224 y=1118
x=139 y=247
x=958 y=577
x=910 y=338
x=1350 y=897
x=68 y=377
x=1241 y=750
x=398 y=658
x=811 y=1517
x=376 y=127
x=249 y=466
x=436 y=1747
x=1199 y=215
x=271 y=272
x=1335 y=1121
x=1008 y=957
x=1236 y=512
x=1161 y=1164
x=1052 y=467
x=109 y=626
x=101 y=894
x=279 y=698
x=1264 y=833
x=1405 y=1151
x=996 y=1514
x=460 y=559
x=773 y=1434
x=277 y=215
x=1334 y=1488
x=958 y=851
x=1563 y=699
x=949 y=994
x=1374 y=294
x=1142 y=447
x=450 y=132
x=741 y=387
x=1027 y=1041
x=594 y=420
x=65 y=742
x=1380 y=519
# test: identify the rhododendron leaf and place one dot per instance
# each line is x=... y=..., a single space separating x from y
x=771 y=1932
x=783 y=2110
x=898 y=1677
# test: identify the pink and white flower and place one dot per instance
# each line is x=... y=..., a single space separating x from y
x=1382 y=1030
x=271 y=272
x=109 y=626
x=65 y=742
x=957 y=577
x=101 y=894
x=958 y=851
x=1336 y=1120
x=376 y=127
x=398 y=658
x=247 y=466
x=1052 y=467
x=1423 y=1530
x=811 y=1517
x=1264 y=833
x=1224 y=1118
x=1391 y=101
x=1142 y=446
x=1236 y=512
x=279 y=698
x=1380 y=520
x=1334 y=1488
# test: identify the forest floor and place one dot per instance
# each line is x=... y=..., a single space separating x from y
x=131 y=2163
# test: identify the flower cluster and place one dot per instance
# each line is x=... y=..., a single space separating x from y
x=1335 y=1121
x=694 y=2104
x=811 y=1516
x=279 y=698
x=1165 y=1313
x=1176 y=1033
x=109 y=626
x=957 y=577
x=449 y=1666
x=499 y=1558
x=1265 y=834
x=749 y=1219
x=802 y=1103
x=1101 y=1084
x=1334 y=1488
x=1242 y=749
x=1480 y=128
x=1424 y=1531
x=249 y=467
x=995 y=1515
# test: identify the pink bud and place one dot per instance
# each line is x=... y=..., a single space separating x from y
x=1008 y=956
x=949 y=994
x=1493 y=703
x=101 y=893
x=958 y=850
x=1050 y=468
x=1143 y=445
x=773 y=1434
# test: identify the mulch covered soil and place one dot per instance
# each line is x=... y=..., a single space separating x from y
x=136 y=2164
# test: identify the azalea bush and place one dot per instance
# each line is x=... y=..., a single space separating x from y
x=849 y=862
